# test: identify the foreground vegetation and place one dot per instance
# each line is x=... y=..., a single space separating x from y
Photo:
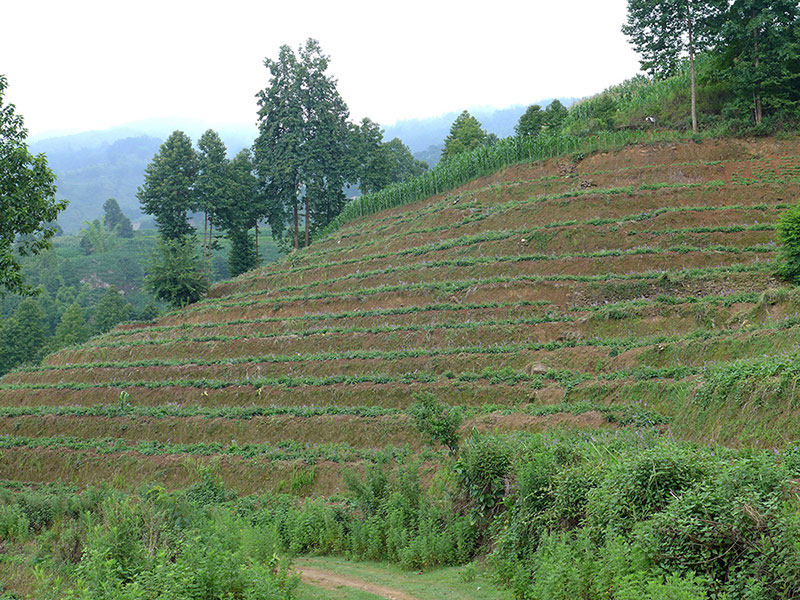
x=629 y=514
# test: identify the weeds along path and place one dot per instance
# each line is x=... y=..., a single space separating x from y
x=331 y=581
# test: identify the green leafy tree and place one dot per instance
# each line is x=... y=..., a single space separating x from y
x=374 y=170
x=27 y=199
x=555 y=114
x=404 y=165
x=175 y=274
x=111 y=310
x=238 y=212
x=328 y=158
x=663 y=32
x=761 y=55
x=302 y=153
x=382 y=163
x=24 y=336
x=531 y=121
x=278 y=147
x=72 y=328
x=789 y=237
x=465 y=135
x=168 y=189
x=115 y=220
x=212 y=186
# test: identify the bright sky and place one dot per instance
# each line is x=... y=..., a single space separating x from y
x=91 y=64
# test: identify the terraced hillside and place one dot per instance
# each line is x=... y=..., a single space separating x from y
x=629 y=287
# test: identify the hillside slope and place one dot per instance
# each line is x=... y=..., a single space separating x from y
x=632 y=287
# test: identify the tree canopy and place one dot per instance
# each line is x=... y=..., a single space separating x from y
x=168 y=189
x=302 y=154
x=27 y=197
x=465 y=134
x=663 y=32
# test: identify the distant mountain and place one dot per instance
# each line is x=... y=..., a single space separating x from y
x=93 y=166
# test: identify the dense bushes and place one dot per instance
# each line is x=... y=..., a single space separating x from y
x=619 y=516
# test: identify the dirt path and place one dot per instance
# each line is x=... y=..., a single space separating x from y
x=330 y=580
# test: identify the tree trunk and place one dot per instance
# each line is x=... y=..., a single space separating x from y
x=758 y=110
x=205 y=232
x=256 y=237
x=210 y=236
x=296 y=229
x=694 y=82
x=306 y=199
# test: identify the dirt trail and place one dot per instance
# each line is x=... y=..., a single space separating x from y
x=331 y=580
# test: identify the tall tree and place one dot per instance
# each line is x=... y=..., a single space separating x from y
x=115 y=219
x=168 y=189
x=71 y=328
x=664 y=31
x=27 y=198
x=240 y=212
x=465 y=134
x=762 y=54
x=111 y=310
x=213 y=182
x=531 y=121
x=303 y=155
x=24 y=336
x=278 y=147
x=555 y=114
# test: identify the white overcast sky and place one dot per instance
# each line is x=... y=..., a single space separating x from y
x=76 y=65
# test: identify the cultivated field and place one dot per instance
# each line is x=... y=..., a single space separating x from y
x=620 y=288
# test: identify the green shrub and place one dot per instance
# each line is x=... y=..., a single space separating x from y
x=436 y=420
x=481 y=469
x=789 y=237
x=13 y=523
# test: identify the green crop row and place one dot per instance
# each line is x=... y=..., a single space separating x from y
x=493 y=376
x=125 y=409
x=350 y=314
x=285 y=450
x=498 y=235
x=449 y=325
x=454 y=286
x=618 y=344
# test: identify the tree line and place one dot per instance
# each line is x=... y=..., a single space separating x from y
x=754 y=45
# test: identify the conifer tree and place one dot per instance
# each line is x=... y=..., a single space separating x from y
x=465 y=134
x=175 y=274
x=115 y=220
